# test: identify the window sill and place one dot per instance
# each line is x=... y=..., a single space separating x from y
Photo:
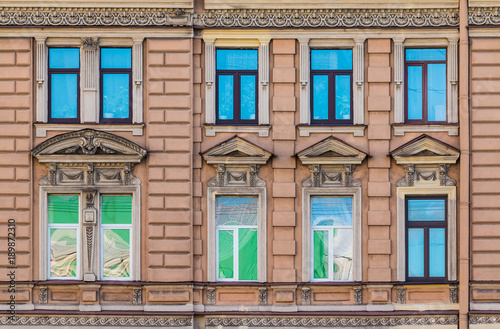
x=400 y=129
x=212 y=130
x=42 y=128
x=356 y=130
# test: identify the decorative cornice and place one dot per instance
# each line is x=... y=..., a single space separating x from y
x=330 y=321
x=484 y=16
x=253 y=18
x=94 y=321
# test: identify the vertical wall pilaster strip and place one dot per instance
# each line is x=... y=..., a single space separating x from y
x=264 y=82
x=89 y=75
x=398 y=80
x=137 y=115
x=304 y=81
x=41 y=78
x=453 y=81
x=359 y=73
x=209 y=81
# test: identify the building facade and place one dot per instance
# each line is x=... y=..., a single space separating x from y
x=214 y=164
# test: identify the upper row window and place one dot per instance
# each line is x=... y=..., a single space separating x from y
x=115 y=72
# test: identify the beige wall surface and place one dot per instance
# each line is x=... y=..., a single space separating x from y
x=100 y=4
x=283 y=4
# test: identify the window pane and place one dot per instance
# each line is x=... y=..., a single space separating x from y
x=331 y=59
x=63 y=244
x=343 y=97
x=237 y=59
x=248 y=97
x=116 y=95
x=320 y=97
x=247 y=254
x=64 y=58
x=116 y=58
x=63 y=96
x=425 y=54
x=116 y=209
x=116 y=253
x=236 y=211
x=226 y=254
x=320 y=254
x=226 y=92
x=342 y=245
x=414 y=93
x=63 y=209
x=437 y=258
x=415 y=252
x=333 y=211
x=436 y=92
x=426 y=209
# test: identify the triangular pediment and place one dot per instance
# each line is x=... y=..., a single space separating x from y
x=425 y=150
x=331 y=151
x=236 y=151
x=88 y=146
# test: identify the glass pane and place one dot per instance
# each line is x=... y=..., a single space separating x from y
x=331 y=210
x=436 y=92
x=247 y=254
x=343 y=97
x=237 y=59
x=64 y=58
x=331 y=59
x=226 y=94
x=63 y=209
x=425 y=54
x=63 y=244
x=415 y=252
x=226 y=254
x=320 y=254
x=116 y=58
x=248 y=97
x=116 y=253
x=116 y=209
x=116 y=95
x=426 y=209
x=63 y=96
x=342 y=245
x=236 y=210
x=437 y=258
x=414 y=93
x=320 y=97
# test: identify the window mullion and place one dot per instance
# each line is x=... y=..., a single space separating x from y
x=236 y=273
x=330 y=254
x=332 y=97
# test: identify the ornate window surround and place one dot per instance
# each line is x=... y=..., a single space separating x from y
x=332 y=163
x=89 y=163
x=358 y=110
x=89 y=82
x=450 y=42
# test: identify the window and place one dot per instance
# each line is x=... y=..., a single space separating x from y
x=425 y=81
x=426 y=238
x=332 y=238
x=236 y=76
x=236 y=234
x=64 y=85
x=331 y=86
x=116 y=85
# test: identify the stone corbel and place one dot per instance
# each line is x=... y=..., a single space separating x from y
x=444 y=179
x=409 y=178
x=89 y=224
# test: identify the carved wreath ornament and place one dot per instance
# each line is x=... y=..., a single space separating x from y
x=89 y=145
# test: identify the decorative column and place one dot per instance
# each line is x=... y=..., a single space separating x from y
x=137 y=75
x=453 y=80
x=89 y=225
x=209 y=81
x=359 y=74
x=89 y=69
x=41 y=78
x=264 y=81
x=304 y=81
x=398 y=80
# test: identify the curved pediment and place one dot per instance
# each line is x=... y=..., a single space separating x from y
x=425 y=150
x=331 y=151
x=236 y=151
x=88 y=146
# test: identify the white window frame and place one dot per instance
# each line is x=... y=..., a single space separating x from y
x=451 y=248
x=307 y=193
x=213 y=193
x=135 y=244
x=89 y=84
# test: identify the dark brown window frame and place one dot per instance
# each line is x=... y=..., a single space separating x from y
x=426 y=225
x=101 y=91
x=50 y=72
x=423 y=64
x=236 y=74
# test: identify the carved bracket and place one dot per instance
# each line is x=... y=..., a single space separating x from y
x=89 y=223
x=306 y=296
x=210 y=296
x=358 y=295
x=401 y=295
x=262 y=296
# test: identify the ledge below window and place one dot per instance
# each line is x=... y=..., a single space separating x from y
x=401 y=129
x=356 y=130
x=212 y=130
x=42 y=128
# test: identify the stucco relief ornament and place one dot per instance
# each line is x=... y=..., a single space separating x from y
x=98 y=321
x=43 y=295
x=358 y=295
x=90 y=43
x=484 y=16
x=262 y=296
x=401 y=291
x=137 y=296
x=306 y=296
